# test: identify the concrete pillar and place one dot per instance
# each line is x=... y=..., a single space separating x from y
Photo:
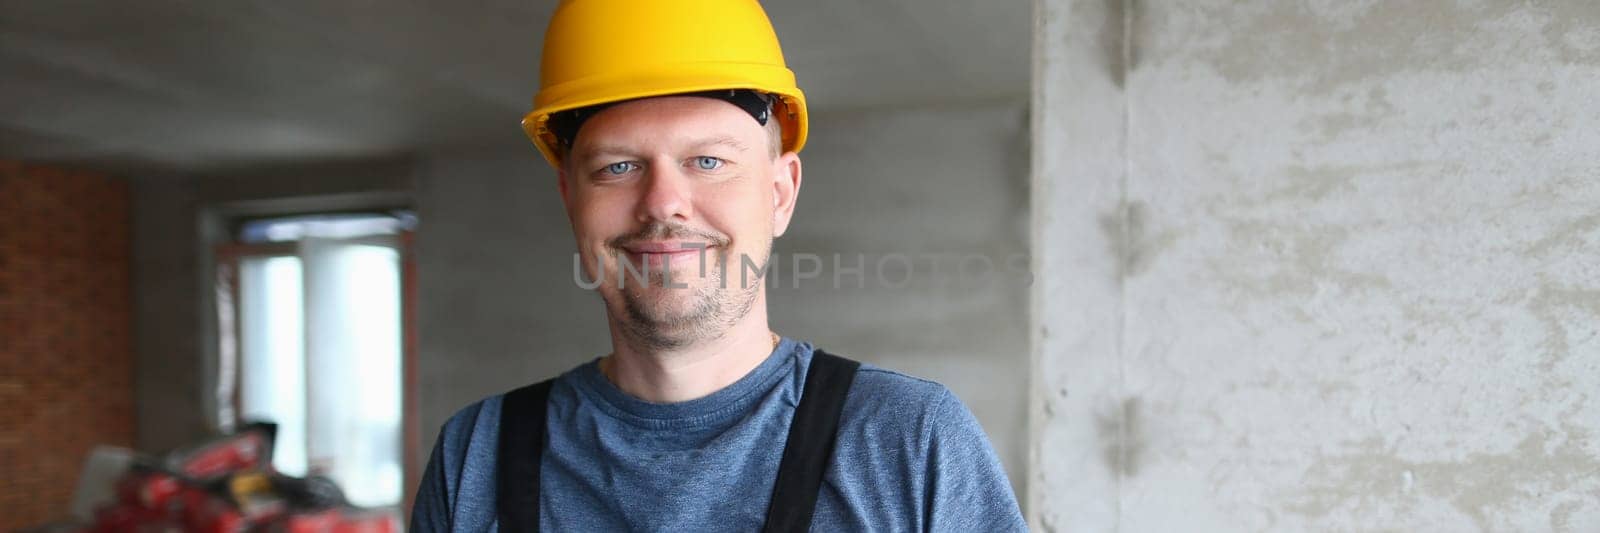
x=1316 y=266
x=1078 y=177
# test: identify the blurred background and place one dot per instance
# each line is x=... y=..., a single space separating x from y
x=1294 y=265
x=325 y=214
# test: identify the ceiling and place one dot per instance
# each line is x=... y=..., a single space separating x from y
x=196 y=84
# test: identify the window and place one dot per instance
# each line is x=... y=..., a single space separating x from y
x=312 y=310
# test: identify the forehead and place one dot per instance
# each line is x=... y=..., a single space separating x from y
x=664 y=123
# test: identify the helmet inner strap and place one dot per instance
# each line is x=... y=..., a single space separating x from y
x=565 y=124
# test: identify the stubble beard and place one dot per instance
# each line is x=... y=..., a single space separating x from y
x=714 y=305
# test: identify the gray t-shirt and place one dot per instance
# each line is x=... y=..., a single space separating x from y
x=910 y=457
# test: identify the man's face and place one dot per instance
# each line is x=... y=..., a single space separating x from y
x=649 y=181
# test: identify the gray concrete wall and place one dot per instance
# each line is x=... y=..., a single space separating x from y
x=497 y=306
x=938 y=186
x=1316 y=266
x=499 y=309
x=166 y=315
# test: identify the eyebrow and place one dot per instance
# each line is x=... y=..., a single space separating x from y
x=726 y=141
x=590 y=152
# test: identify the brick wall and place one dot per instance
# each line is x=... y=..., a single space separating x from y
x=65 y=354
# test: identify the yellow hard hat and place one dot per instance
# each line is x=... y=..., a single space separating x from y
x=606 y=51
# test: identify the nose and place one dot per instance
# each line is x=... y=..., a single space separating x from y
x=667 y=195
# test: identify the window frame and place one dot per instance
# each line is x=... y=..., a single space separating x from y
x=229 y=255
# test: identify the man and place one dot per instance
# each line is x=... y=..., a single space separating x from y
x=674 y=127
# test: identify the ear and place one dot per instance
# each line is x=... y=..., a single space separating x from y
x=785 y=191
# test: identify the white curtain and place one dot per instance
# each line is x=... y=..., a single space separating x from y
x=353 y=342
x=272 y=362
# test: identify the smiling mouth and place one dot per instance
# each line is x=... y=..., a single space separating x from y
x=659 y=256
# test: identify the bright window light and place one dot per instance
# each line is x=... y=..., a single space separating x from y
x=320 y=354
x=272 y=354
x=326 y=226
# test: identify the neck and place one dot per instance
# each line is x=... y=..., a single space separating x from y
x=692 y=371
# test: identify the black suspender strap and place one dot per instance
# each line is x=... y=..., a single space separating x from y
x=812 y=435
x=522 y=436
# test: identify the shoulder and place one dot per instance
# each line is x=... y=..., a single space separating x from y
x=485 y=411
x=880 y=389
x=467 y=445
x=887 y=405
x=909 y=439
x=478 y=423
x=469 y=427
x=481 y=419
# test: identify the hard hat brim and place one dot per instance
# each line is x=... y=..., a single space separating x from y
x=676 y=79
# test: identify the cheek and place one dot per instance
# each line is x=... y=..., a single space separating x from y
x=743 y=213
x=597 y=218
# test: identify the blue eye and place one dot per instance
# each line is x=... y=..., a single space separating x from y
x=617 y=169
x=706 y=162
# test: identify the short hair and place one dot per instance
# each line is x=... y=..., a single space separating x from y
x=774 y=137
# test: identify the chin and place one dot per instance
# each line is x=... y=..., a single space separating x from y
x=658 y=304
x=668 y=321
x=676 y=317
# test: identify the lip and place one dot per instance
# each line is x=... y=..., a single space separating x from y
x=660 y=255
x=665 y=247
